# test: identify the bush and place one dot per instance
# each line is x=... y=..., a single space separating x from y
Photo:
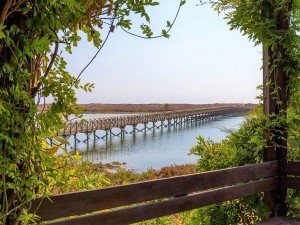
x=242 y=147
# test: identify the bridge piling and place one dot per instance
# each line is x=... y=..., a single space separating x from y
x=106 y=134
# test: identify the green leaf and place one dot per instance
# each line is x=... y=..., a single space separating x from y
x=154 y=3
x=40 y=45
x=165 y=34
x=169 y=24
x=146 y=30
x=61 y=140
x=2 y=34
x=125 y=23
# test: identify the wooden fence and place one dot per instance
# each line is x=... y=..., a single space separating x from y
x=130 y=203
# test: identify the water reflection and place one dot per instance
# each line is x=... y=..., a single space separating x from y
x=154 y=148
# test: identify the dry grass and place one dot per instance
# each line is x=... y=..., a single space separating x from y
x=118 y=175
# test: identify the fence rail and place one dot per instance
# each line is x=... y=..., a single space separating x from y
x=166 y=196
x=291 y=175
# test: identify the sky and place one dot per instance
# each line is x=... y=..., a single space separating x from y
x=202 y=62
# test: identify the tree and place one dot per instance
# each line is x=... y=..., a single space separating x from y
x=274 y=25
x=33 y=35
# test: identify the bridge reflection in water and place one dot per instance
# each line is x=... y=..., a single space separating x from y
x=105 y=128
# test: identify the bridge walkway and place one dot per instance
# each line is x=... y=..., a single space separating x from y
x=182 y=116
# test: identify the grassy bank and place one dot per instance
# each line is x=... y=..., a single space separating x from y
x=118 y=175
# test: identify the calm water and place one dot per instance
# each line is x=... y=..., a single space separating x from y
x=154 y=148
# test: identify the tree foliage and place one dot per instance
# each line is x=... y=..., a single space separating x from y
x=33 y=36
x=275 y=26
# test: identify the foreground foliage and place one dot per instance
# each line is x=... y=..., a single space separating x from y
x=243 y=147
x=33 y=37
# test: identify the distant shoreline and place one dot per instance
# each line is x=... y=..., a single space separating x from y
x=146 y=108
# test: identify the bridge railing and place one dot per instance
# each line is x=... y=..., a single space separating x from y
x=147 y=200
x=73 y=127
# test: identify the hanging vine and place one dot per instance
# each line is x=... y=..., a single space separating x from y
x=274 y=129
x=33 y=35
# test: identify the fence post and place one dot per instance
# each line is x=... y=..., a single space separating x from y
x=274 y=86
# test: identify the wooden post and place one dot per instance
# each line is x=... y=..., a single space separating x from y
x=275 y=87
x=94 y=143
x=269 y=151
x=75 y=142
x=106 y=132
x=275 y=95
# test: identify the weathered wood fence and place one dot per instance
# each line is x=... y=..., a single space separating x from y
x=181 y=116
x=147 y=200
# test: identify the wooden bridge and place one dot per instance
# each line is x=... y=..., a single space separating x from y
x=168 y=118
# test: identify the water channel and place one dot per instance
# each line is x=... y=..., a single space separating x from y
x=154 y=148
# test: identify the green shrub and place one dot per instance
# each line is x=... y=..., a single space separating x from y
x=243 y=147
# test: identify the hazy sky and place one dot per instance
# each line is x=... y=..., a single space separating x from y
x=202 y=62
